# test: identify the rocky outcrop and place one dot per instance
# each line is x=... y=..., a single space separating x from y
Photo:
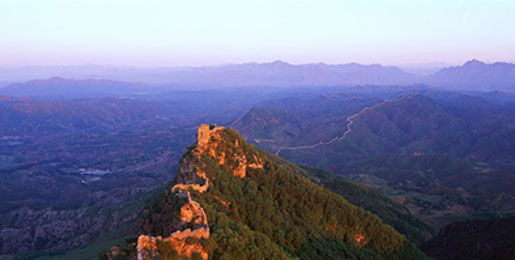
x=205 y=134
x=209 y=141
x=191 y=214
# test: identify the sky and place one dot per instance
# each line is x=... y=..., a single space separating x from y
x=193 y=32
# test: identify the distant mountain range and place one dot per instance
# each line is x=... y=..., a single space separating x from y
x=59 y=87
x=473 y=75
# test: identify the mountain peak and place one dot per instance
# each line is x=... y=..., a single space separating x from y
x=227 y=147
x=56 y=78
x=204 y=134
x=280 y=62
x=49 y=81
x=473 y=62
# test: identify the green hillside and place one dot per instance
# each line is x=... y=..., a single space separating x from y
x=389 y=211
x=273 y=212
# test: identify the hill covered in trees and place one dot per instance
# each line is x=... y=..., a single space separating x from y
x=231 y=200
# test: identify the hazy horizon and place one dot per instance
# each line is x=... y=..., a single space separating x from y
x=203 y=33
x=422 y=65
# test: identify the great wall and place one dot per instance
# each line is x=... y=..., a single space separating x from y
x=192 y=176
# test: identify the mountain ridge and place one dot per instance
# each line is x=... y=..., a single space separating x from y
x=475 y=74
x=472 y=75
x=249 y=200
